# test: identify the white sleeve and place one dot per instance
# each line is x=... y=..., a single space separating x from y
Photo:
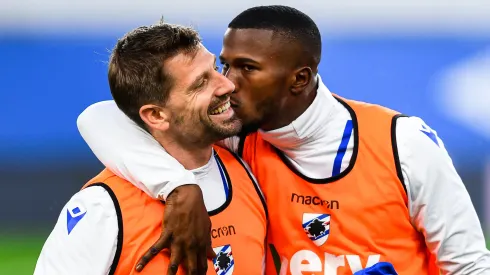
x=84 y=240
x=130 y=152
x=439 y=204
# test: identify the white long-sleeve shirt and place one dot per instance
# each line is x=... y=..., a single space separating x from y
x=439 y=204
x=84 y=239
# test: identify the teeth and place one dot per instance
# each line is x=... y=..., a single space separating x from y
x=221 y=109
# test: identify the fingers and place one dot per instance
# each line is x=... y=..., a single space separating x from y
x=191 y=263
x=175 y=258
x=202 y=264
x=162 y=243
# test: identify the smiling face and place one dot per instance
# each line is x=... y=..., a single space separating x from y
x=199 y=101
x=165 y=80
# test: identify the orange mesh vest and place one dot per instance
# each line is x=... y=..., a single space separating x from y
x=345 y=223
x=238 y=233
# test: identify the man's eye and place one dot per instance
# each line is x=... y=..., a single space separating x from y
x=248 y=68
x=201 y=84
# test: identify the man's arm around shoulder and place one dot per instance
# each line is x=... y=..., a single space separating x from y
x=84 y=239
x=132 y=153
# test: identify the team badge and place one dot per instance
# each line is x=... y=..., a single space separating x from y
x=317 y=227
x=224 y=262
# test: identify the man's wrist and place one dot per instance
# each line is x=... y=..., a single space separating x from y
x=171 y=187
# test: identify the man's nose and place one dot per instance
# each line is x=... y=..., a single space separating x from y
x=225 y=87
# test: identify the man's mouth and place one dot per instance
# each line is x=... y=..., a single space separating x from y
x=221 y=109
x=233 y=103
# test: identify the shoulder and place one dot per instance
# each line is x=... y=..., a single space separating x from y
x=92 y=206
x=425 y=164
x=415 y=137
x=85 y=237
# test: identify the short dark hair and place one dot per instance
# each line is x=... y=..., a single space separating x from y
x=286 y=21
x=136 y=71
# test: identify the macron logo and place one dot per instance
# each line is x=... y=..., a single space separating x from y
x=73 y=216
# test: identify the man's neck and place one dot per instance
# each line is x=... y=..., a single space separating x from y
x=190 y=156
x=311 y=125
x=294 y=108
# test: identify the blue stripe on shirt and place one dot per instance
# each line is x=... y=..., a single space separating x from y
x=337 y=164
x=223 y=178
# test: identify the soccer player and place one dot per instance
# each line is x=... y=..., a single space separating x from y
x=348 y=184
x=166 y=82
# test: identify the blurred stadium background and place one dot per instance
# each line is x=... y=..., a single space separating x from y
x=426 y=58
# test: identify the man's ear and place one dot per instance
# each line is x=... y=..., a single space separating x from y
x=155 y=117
x=301 y=79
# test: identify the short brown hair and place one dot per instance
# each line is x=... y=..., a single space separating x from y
x=136 y=71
